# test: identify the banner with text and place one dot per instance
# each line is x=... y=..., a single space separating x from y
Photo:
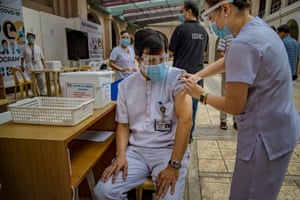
x=94 y=38
x=12 y=37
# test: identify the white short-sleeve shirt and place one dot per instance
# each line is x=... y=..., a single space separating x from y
x=32 y=61
x=122 y=59
x=138 y=106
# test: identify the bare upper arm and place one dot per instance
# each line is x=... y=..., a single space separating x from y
x=236 y=96
x=183 y=106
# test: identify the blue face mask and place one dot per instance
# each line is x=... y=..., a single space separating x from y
x=30 y=40
x=221 y=33
x=156 y=72
x=181 y=18
x=125 y=42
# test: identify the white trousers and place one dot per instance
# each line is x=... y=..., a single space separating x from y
x=40 y=81
x=141 y=164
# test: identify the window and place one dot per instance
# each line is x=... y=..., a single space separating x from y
x=276 y=5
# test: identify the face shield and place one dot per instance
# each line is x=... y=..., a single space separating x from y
x=204 y=15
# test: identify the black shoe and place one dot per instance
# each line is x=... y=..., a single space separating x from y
x=235 y=126
x=223 y=126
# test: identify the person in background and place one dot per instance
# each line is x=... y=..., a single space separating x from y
x=221 y=48
x=154 y=117
x=274 y=28
x=122 y=58
x=188 y=44
x=32 y=58
x=4 y=45
x=259 y=92
x=291 y=46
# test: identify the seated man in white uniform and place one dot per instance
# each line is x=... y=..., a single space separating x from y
x=154 y=118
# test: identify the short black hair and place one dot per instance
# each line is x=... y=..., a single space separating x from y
x=193 y=6
x=122 y=32
x=154 y=40
x=283 y=28
x=30 y=34
x=3 y=41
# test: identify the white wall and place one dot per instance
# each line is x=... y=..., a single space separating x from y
x=54 y=37
x=32 y=24
x=50 y=33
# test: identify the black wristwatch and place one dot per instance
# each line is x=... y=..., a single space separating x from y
x=203 y=97
x=175 y=164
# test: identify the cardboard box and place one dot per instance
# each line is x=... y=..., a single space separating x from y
x=88 y=85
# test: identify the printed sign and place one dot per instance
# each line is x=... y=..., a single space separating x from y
x=12 y=37
x=94 y=38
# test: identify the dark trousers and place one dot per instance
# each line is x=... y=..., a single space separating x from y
x=195 y=108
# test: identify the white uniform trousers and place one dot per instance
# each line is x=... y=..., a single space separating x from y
x=142 y=162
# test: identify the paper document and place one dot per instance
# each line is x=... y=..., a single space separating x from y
x=94 y=135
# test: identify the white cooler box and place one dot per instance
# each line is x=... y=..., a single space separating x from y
x=53 y=64
x=87 y=85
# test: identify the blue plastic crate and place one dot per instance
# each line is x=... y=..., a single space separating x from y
x=114 y=90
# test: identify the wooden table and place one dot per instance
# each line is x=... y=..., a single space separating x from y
x=55 y=73
x=40 y=162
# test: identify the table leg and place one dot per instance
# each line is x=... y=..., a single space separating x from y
x=33 y=84
x=56 y=83
x=47 y=75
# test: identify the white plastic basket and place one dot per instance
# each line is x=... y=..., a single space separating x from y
x=51 y=110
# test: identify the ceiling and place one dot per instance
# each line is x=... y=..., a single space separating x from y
x=140 y=12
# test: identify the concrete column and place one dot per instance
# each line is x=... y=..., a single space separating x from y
x=82 y=9
x=284 y=3
x=107 y=38
x=268 y=7
x=254 y=9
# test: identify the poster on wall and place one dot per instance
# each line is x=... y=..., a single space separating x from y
x=12 y=37
x=94 y=39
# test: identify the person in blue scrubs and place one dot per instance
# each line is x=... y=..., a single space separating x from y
x=259 y=92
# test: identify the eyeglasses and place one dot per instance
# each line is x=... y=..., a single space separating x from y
x=205 y=13
x=153 y=59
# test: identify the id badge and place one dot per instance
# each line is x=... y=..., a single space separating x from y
x=162 y=126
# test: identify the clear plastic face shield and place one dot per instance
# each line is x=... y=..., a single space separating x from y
x=154 y=59
x=207 y=20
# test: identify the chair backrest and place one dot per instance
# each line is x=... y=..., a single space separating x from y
x=85 y=68
x=95 y=65
x=19 y=75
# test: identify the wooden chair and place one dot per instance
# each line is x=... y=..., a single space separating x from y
x=20 y=81
x=3 y=99
x=85 y=68
x=147 y=185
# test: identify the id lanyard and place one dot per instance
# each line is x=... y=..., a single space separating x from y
x=162 y=124
x=32 y=54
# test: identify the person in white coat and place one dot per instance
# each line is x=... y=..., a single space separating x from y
x=32 y=58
